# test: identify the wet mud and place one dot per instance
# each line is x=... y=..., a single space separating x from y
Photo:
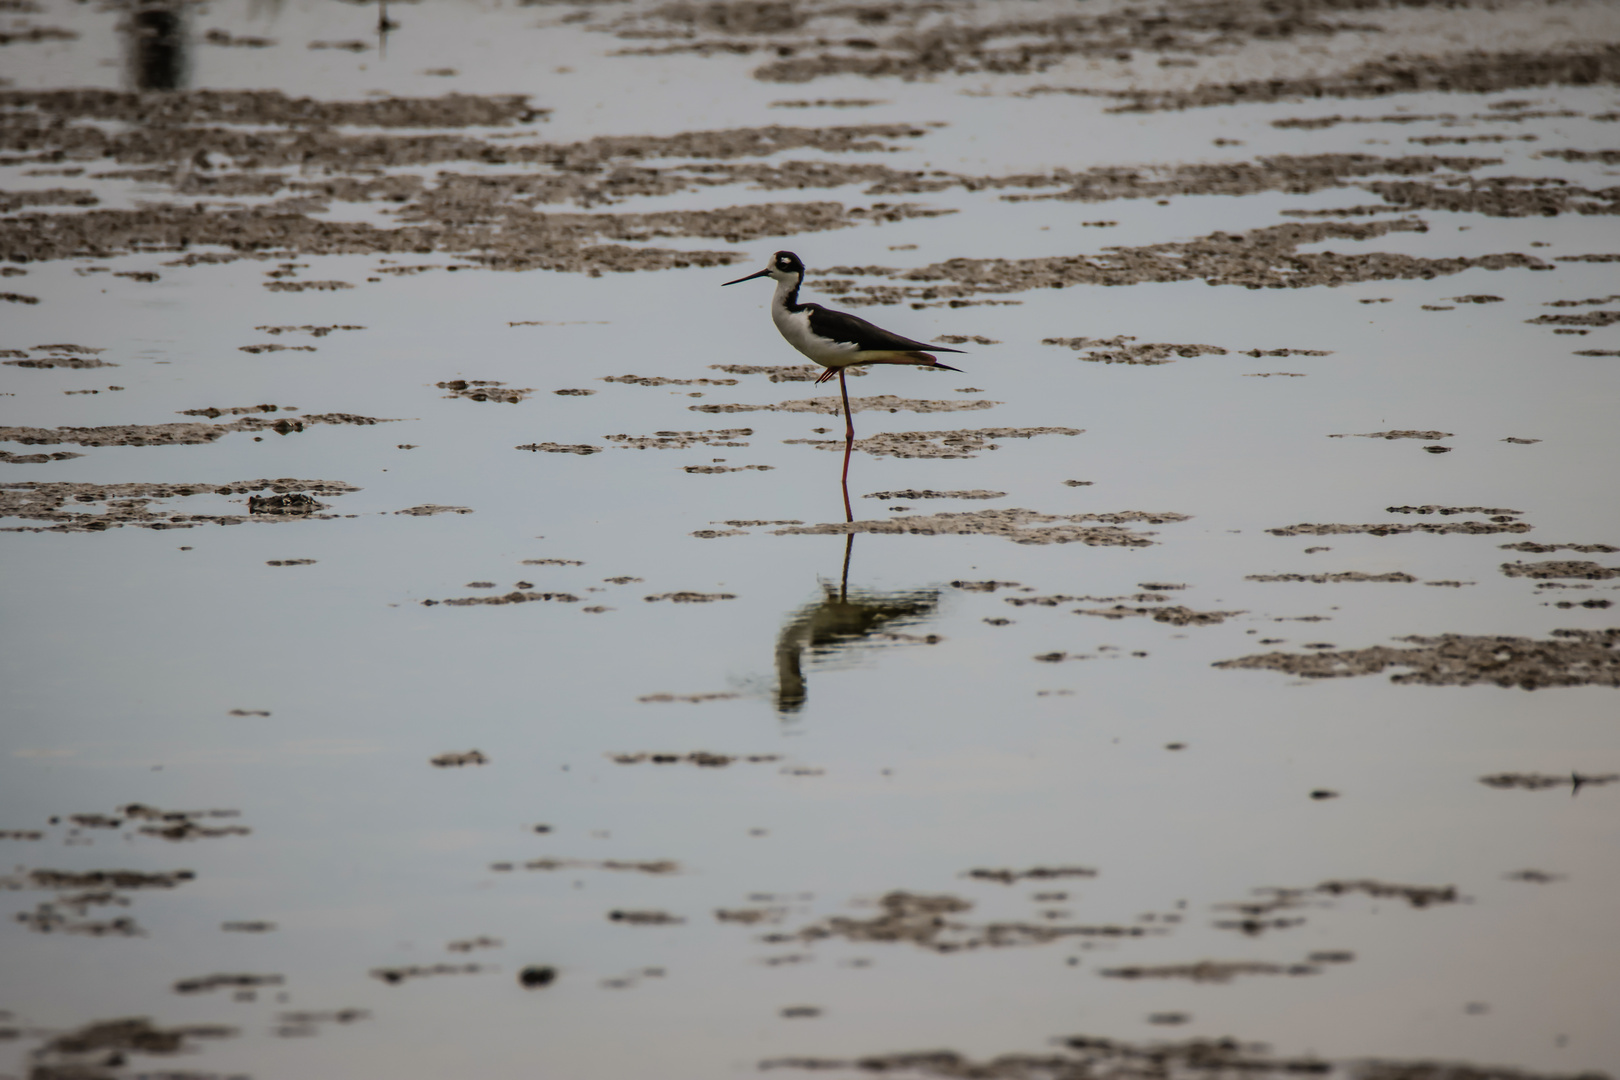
x=178 y=434
x=1264 y=258
x=833 y=406
x=963 y=443
x=1542 y=781
x=1568 y=658
x=700 y=758
x=926 y=922
x=66 y=505
x=1019 y=526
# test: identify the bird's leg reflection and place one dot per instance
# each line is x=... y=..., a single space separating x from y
x=839 y=628
x=849 y=444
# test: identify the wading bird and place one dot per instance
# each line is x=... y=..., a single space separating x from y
x=836 y=340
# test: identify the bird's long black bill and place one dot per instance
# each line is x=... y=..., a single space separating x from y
x=945 y=367
x=763 y=273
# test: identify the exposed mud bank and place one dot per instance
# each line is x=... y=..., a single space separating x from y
x=935 y=444
x=1569 y=658
x=1019 y=526
x=1473 y=72
x=178 y=434
x=66 y=505
x=1267 y=257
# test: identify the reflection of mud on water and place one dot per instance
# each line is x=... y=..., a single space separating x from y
x=132 y=504
x=1570 y=658
x=1019 y=526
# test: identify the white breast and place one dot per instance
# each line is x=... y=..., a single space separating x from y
x=795 y=327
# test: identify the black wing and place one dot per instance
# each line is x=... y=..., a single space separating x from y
x=842 y=326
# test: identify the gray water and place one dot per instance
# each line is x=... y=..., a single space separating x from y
x=908 y=731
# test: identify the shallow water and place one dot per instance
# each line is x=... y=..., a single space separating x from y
x=1297 y=852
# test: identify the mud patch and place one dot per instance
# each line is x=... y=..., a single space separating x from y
x=65 y=505
x=87 y=1051
x=644 y=918
x=697 y=757
x=705 y=469
x=786 y=373
x=516 y=596
x=1034 y=873
x=1209 y=971
x=1019 y=526
x=581 y=449
x=935 y=444
x=484 y=390
x=913 y=493
x=658 y=380
x=1569 y=658
x=834 y=406
x=393 y=976
x=925 y=921
x=1473 y=72
x=1394 y=577
x=690 y=597
x=1173 y=616
x=456 y=759
x=1396 y=528
x=1543 y=781
x=181 y=434
x=682 y=440
x=651 y=866
x=1565 y=568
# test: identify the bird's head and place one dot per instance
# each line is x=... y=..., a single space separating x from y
x=784 y=266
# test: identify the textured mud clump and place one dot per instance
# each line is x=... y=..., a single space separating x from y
x=516 y=596
x=1085 y=1057
x=651 y=866
x=834 y=406
x=1019 y=526
x=913 y=493
x=1429 y=435
x=582 y=449
x=1569 y=658
x=1209 y=971
x=1543 y=781
x=65 y=505
x=1476 y=72
x=681 y=440
x=1034 y=873
x=270 y=107
x=935 y=444
x=1561 y=568
x=1268 y=257
x=484 y=390
x=1116 y=351
x=697 y=757
x=1173 y=616
x=180 y=434
x=924 y=921
x=1348 y=575
x=1395 y=528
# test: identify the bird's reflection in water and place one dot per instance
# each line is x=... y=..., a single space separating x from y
x=155 y=44
x=832 y=631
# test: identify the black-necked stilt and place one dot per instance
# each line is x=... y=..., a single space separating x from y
x=836 y=340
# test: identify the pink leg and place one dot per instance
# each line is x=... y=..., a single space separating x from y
x=849 y=443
